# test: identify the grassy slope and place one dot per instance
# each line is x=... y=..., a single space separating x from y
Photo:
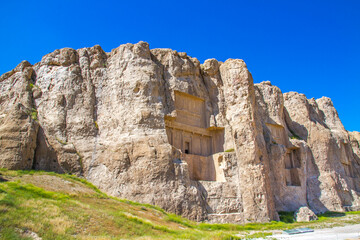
x=57 y=206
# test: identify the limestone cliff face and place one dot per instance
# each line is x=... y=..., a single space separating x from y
x=333 y=171
x=17 y=128
x=158 y=127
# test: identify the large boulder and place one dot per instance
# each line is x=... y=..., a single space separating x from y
x=304 y=214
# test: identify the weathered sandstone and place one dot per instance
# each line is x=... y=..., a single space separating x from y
x=158 y=127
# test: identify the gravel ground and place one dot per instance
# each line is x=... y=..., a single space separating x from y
x=337 y=233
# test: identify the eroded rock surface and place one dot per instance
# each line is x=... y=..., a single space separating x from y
x=304 y=214
x=158 y=127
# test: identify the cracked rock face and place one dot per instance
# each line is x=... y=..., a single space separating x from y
x=158 y=127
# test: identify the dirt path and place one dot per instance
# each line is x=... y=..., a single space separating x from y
x=337 y=233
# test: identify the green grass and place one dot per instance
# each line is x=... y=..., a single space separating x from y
x=10 y=234
x=56 y=215
x=75 y=215
x=230 y=150
x=30 y=191
x=31 y=87
x=294 y=136
x=34 y=114
x=177 y=219
x=353 y=213
x=258 y=235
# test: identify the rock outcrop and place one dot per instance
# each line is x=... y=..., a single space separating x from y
x=158 y=127
x=304 y=214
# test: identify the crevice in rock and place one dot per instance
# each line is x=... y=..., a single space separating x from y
x=96 y=96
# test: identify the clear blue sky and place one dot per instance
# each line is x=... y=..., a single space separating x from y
x=312 y=47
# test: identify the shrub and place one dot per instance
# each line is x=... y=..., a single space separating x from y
x=294 y=136
x=286 y=217
x=34 y=114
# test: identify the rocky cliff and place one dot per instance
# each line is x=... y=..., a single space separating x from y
x=158 y=127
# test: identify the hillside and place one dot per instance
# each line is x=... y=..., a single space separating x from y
x=60 y=206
